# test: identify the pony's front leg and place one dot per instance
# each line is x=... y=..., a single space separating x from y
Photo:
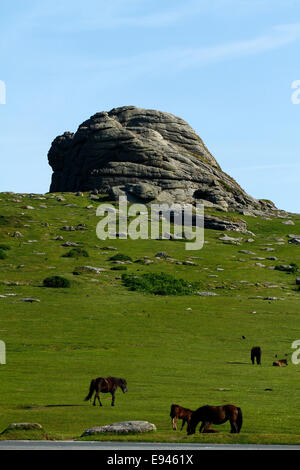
x=234 y=428
x=183 y=423
x=94 y=403
x=174 y=420
x=98 y=396
x=205 y=426
x=112 y=398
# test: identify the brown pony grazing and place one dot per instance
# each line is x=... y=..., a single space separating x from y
x=281 y=363
x=178 y=412
x=216 y=415
x=108 y=385
x=256 y=354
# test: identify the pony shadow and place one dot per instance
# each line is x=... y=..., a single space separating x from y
x=62 y=406
x=37 y=407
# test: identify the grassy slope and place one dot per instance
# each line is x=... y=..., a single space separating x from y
x=167 y=353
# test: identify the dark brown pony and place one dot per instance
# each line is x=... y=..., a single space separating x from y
x=256 y=354
x=216 y=415
x=108 y=385
x=178 y=412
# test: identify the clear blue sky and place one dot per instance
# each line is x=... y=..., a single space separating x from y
x=225 y=66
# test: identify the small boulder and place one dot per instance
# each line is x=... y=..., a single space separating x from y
x=206 y=294
x=17 y=235
x=126 y=427
x=162 y=254
x=295 y=241
x=288 y=222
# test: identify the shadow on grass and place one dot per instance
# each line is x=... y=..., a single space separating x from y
x=38 y=407
x=235 y=362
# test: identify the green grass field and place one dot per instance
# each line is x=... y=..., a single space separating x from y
x=171 y=349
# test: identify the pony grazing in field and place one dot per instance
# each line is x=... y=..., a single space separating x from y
x=178 y=412
x=216 y=415
x=108 y=385
x=256 y=354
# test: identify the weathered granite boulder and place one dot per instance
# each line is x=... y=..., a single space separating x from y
x=126 y=427
x=147 y=155
x=88 y=269
x=24 y=427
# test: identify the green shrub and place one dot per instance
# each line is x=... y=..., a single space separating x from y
x=120 y=257
x=56 y=282
x=294 y=268
x=3 y=255
x=119 y=268
x=159 y=284
x=4 y=247
x=76 y=253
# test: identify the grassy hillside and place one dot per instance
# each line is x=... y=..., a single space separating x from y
x=171 y=349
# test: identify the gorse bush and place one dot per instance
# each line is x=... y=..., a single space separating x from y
x=3 y=255
x=11 y=220
x=76 y=253
x=120 y=257
x=4 y=247
x=56 y=282
x=294 y=268
x=159 y=284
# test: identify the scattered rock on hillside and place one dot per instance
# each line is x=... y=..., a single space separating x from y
x=284 y=267
x=272 y=298
x=295 y=241
x=218 y=223
x=288 y=222
x=68 y=228
x=206 y=294
x=230 y=240
x=162 y=254
x=88 y=269
x=17 y=235
x=81 y=227
x=69 y=244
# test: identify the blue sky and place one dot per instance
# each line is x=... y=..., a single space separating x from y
x=225 y=66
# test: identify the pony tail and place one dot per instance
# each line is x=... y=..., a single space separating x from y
x=92 y=388
x=239 y=419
